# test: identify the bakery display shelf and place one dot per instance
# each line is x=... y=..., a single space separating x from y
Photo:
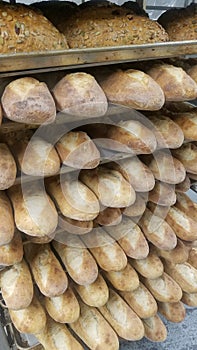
x=24 y=63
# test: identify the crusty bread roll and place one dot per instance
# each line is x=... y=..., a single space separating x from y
x=150 y=267
x=17 y=286
x=122 y=318
x=39 y=239
x=124 y=280
x=109 y=186
x=165 y=167
x=130 y=237
x=79 y=94
x=141 y=301
x=57 y=336
x=74 y=199
x=133 y=171
x=176 y=84
x=188 y=123
x=95 y=294
x=94 y=330
x=192 y=71
x=162 y=194
x=34 y=211
x=157 y=231
x=108 y=254
x=6 y=220
x=31 y=319
x=189 y=299
x=168 y=134
x=184 y=274
x=187 y=155
x=186 y=205
x=26 y=100
x=12 y=252
x=192 y=259
x=7 y=166
x=137 y=208
x=36 y=157
x=158 y=210
x=173 y=312
x=109 y=217
x=46 y=269
x=154 y=329
x=177 y=255
x=77 y=150
x=76 y=227
x=183 y=186
x=164 y=288
x=78 y=261
x=63 y=308
x=134 y=89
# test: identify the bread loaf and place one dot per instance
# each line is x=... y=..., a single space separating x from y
x=158 y=210
x=184 y=274
x=78 y=261
x=177 y=255
x=192 y=71
x=7 y=166
x=124 y=280
x=76 y=227
x=74 y=199
x=95 y=294
x=185 y=204
x=34 y=211
x=12 y=252
x=57 y=336
x=109 y=217
x=17 y=286
x=94 y=330
x=187 y=155
x=173 y=312
x=26 y=100
x=39 y=239
x=150 y=267
x=46 y=269
x=154 y=329
x=6 y=220
x=108 y=254
x=157 y=231
x=141 y=301
x=133 y=171
x=176 y=84
x=63 y=308
x=122 y=318
x=130 y=237
x=80 y=95
x=162 y=194
x=137 y=208
x=183 y=186
x=188 y=123
x=192 y=259
x=109 y=186
x=189 y=299
x=77 y=150
x=36 y=157
x=31 y=319
x=165 y=167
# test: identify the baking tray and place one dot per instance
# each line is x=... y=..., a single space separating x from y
x=23 y=63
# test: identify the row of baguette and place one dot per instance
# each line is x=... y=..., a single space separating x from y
x=27 y=100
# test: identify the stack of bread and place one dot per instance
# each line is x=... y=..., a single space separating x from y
x=101 y=252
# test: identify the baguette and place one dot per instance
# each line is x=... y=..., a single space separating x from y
x=122 y=318
x=78 y=261
x=186 y=205
x=109 y=186
x=124 y=280
x=164 y=288
x=17 y=286
x=46 y=269
x=34 y=211
x=95 y=294
x=177 y=255
x=6 y=220
x=173 y=312
x=12 y=252
x=157 y=231
x=78 y=151
x=7 y=166
x=154 y=329
x=40 y=240
x=133 y=171
x=141 y=301
x=56 y=336
x=183 y=186
x=184 y=274
x=189 y=299
x=150 y=267
x=158 y=210
x=188 y=123
x=108 y=254
x=109 y=217
x=162 y=194
x=187 y=155
x=36 y=157
x=74 y=199
x=63 y=308
x=192 y=259
x=131 y=239
x=166 y=168
x=76 y=227
x=31 y=319
x=94 y=330
x=137 y=208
